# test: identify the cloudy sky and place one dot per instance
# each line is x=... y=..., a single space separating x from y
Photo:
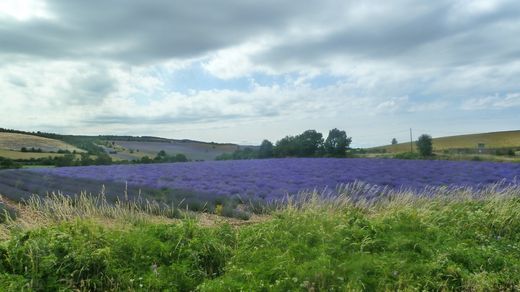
x=240 y=71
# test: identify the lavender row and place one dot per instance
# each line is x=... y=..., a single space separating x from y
x=272 y=179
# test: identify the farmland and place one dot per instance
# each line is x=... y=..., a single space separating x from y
x=194 y=150
x=15 y=141
x=259 y=224
x=504 y=139
x=263 y=180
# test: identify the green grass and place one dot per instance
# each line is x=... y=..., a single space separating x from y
x=38 y=166
x=491 y=140
x=460 y=240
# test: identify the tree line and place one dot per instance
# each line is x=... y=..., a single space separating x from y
x=310 y=143
x=85 y=159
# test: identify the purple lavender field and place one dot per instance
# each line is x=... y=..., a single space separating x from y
x=268 y=179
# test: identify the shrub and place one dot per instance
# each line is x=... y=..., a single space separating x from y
x=83 y=256
x=6 y=163
x=229 y=211
x=266 y=149
x=424 y=144
x=407 y=155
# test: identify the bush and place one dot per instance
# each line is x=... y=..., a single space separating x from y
x=224 y=156
x=228 y=211
x=65 y=160
x=163 y=157
x=407 y=155
x=84 y=256
x=425 y=145
x=6 y=163
x=266 y=149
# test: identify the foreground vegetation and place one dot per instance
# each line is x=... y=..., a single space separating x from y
x=458 y=240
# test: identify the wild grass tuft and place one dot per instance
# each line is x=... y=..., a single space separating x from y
x=60 y=207
x=439 y=239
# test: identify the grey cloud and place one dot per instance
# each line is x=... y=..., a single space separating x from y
x=435 y=52
x=411 y=34
x=158 y=120
x=439 y=33
x=91 y=87
x=17 y=81
x=145 y=31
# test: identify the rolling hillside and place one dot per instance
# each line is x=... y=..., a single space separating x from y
x=118 y=147
x=194 y=150
x=15 y=141
x=503 y=139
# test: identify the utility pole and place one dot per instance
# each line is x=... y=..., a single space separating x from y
x=411 y=141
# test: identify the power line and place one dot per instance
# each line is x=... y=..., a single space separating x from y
x=411 y=141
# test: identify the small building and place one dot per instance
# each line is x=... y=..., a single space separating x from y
x=481 y=147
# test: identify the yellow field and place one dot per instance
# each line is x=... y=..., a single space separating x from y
x=25 y=155
x=490 y=140
x=15 y=141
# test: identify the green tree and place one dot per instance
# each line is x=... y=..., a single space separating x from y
x=337 y=143
x=161 y=156
x=286 y=147
x=394 y=141
x=85 y=159
x=308 y=143
x=425 y=145
x=8 y=163
x=266 y=149
x=65 y=160
x=246 y=153
x=103 y=159
x=181 y=158
x=146 y=159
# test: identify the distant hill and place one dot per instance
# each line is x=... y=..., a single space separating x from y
x=194 y=150
x=491 y=140
x=15 y=142
x=118 y=147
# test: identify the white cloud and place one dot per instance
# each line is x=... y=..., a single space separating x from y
x=97 y=66
x=235 y=61
x=391 y=105
x=510 y=100
x=23 y=10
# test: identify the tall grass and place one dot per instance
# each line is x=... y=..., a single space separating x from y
x=438 y=239
x=61 y=207
x=373 y=198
